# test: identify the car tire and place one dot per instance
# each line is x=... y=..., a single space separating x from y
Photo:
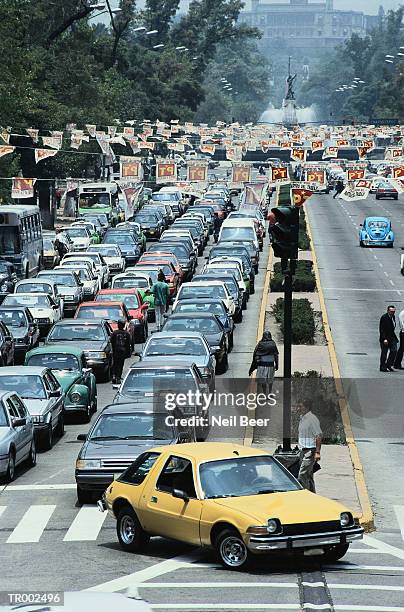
x=252 y=288
x=231 y=550
x=32 y=455
x=47 y=441
x=239 y=316
x=361 y=243
x=84 y=496
x=94 y=404
x=223 y=365
x=131 y=535
x=10 y=472
x=61 y=426
x=256 y=269
x=335 y=553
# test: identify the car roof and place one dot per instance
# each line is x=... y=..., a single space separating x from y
x=16 y=307
x=202 y=300
x=195 y=315
x=210 y=451
x=163 y=365
x=28 y=281
x=199 y=283
x=130 y=408
x=176 y=334
x=94 y=321
x=22 y=371
x=122 y=290
x=102 y=304
x=56 y=348
x=28 y=293
x=386 y=219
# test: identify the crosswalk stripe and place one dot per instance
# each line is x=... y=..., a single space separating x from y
x=399 y=510
x=2 y=508
x=86 y=525
x=32 y=524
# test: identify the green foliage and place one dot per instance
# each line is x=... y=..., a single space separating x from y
x=304 y=279
x=382 y=94
x=304 y=240
x=303 y=323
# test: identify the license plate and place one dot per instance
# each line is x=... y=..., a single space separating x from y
x=313 y=552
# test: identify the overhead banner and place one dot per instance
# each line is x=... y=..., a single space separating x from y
x=197 y=171
x=5 y=150
x=398 y=172
x=33 y=133
x=131 y=168
x=358 y=190
x=315 y=176
x=393 y=153
x=355 y=174
x=166 y=172
x=131 y=194
x=55 y=142
x=330 y=153
x=299 y=195
x=254 y=195
x=298 y=155
x=279 y=175
x=91 y=129
x=234 y=153
x=41 y=154
x=316 y=145
x=22 y=188
x=241 y=173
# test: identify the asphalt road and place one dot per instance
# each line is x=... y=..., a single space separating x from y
x=359 y=284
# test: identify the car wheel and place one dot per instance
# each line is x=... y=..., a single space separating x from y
x=10 y=472
x=361 y=243
x=131 y=535
x=256 y=269
x=334 y=553
x=239 y=316
x=231 y=550
x=32 y=455
x=94 y=404
x=144 y=334
x=48 y=439
x=84 y=496
x=252 y=288
x=61 y=425
x=223 y=365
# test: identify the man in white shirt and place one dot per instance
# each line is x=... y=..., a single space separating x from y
x=400 y=352
x=310 y=445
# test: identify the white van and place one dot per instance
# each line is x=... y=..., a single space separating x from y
x=238 y=229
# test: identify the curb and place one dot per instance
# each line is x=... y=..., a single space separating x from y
x=366 y=519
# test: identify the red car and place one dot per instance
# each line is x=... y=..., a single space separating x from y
x=152 y=256
x=111 y=311
x=172 y=276
x=137 y=308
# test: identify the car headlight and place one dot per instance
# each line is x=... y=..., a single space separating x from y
x=4 y=287
x=97 y=354
x=346 y=519
x=273 y=526
x=75 y=397
x=85 y=464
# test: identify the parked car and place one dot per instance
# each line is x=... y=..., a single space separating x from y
x=80 y=236
x=118 y=436
x=94 y=233
x=69 y=285
x=245 y=503
x=92 y=337
x=69 y=367
x=167 y=267
x=109 y=311
x=23 y=327
x=152 y=226
x=376 y=231
x=41 y=305
x=127 y=242
x=43 y=397
x=7 y=346
x=8 y=278
x=137 y=308
x=88 y=278
x=17 y=440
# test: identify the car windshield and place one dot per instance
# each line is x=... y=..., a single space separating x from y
x=29 y=387
x=112 y=313
x=64 y=280
x=130 y=300
x=151 y=272
x=48 y=244
x=142 y=219
x=209 y=291
x=77 y=232
x=13 y=318
x=220 y=274
x=214 y=307
x=163 y=197
x=130 y=282
x=148 y=380
x=119 y=239
x=55 y=361
x=66 y=333
x=165 y=268
x=238 y=477
x=83 y=274
x=175 y=346
x=27 y=300
x=237 y=233
x=132 y=426
x=381 y=224
x=34 y=287
x=203 y=326
x=95 y=200
x=107 y=251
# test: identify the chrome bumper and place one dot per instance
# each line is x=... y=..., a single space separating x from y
x=267 y=543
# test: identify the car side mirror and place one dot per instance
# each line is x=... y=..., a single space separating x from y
x=82 y=437
x=19 y=422
x=87 y=370
x=56 y=393
x=180 y=494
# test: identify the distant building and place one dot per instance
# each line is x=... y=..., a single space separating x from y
x=306 y=27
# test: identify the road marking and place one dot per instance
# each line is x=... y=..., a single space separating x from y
x=31 y=526
x=358 y=289
x=229 y=606
x=387 y=548
x=366 y=608
x=392 y=283
x=2 y=508
x=86 y=525
x=39 y=487
x=399 y=510
x=366 y=568
x=218 y=585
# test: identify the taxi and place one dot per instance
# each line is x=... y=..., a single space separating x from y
x=240 y=501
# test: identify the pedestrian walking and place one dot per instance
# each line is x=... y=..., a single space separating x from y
x=400 y=352
x=265 y=361
x=161 y=292
x=339 y=188
x=388 y=340
x=121 y=349
x=216 y=226
x=310 y=436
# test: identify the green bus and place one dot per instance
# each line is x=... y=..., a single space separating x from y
x=21 y=241
x=96 y=198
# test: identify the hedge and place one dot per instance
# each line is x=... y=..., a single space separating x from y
x=304 y=240
x=303 y=322
x=303 y=280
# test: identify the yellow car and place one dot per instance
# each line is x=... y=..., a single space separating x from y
x=238 y=500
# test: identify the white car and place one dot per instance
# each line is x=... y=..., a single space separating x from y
x=204 y=289
x=216 y=264
x=41 y=305
x=42 y=285
x=91 y=283
x=99 y=262
x=112 y=255
x=71 y=260
x=80 y=236
x=132 y=279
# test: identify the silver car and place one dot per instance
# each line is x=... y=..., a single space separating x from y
x=43 y=397
x=69 y=285
x=17 y=441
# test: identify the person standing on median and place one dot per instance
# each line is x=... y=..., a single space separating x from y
x=121 y=349
x=265 y=361
x=161 y=292
x=310 y=437
x=388 y=340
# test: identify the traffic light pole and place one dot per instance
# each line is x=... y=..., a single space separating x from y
x=287 y=354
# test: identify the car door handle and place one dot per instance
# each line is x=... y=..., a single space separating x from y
x=153 y=499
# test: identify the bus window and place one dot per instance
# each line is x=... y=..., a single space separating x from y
x=9 y=240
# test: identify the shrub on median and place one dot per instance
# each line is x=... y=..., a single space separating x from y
x=303 y=280
x=304 y=241
x=303 y=322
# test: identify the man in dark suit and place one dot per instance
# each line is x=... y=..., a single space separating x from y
x=388 y=340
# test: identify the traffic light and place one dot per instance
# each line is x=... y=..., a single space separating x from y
x=284 y=231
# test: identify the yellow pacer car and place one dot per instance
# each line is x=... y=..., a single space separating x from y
x=238 y=500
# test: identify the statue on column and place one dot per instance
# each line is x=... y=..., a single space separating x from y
x=290 y=94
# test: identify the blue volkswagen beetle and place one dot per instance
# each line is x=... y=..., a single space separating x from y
x=376 y=231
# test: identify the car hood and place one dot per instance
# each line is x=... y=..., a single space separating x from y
x=200 y=360
x=119 y=448
x=36 y=406
x=85 y=345
x=40 y=313
x=377 y=233
x=66 y=378
x=63 y=290
x=291 y=507
x=19 y=332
